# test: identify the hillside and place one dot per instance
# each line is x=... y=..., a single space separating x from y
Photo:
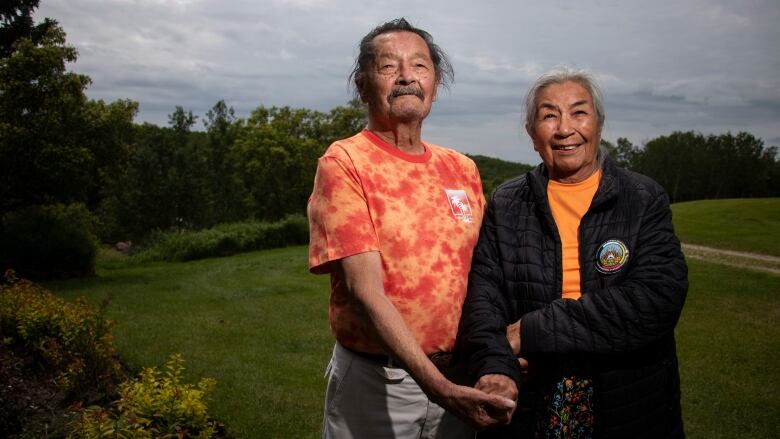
x=495 y=171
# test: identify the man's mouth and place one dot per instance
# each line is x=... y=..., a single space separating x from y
x=565 y=147
x=406 y=91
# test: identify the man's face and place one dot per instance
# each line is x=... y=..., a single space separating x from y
x=401 y=84
x=566 y=131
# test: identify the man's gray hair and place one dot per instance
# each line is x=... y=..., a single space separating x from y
x=559 y=76
x=442 y=67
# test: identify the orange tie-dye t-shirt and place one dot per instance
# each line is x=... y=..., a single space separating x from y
x=422 y=213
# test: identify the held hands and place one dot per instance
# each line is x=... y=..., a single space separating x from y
x=502 y=385
x=493 y=399
x=478 y=407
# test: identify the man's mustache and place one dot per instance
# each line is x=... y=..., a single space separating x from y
x=405 y=90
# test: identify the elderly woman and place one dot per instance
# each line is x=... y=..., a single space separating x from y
x=576 y=285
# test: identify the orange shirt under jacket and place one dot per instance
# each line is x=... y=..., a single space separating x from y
x=568 y=203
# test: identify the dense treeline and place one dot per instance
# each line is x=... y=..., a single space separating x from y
x=259 y=168
x=692 y=166
x=74 y=167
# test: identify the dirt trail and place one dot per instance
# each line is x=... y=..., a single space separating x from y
x=751 y=261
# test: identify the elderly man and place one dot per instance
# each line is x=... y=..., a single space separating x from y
x=394 y=220
x=578 y=260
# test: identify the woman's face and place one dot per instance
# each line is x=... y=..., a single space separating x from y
x=566 y=131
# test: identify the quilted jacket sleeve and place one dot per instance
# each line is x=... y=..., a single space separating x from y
x=643 y=307
x=486 y=311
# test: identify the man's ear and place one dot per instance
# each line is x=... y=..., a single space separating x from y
x=360 y=84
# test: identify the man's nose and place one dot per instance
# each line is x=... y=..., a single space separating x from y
x=406 y=74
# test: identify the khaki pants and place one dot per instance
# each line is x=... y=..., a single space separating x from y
x=368 y=400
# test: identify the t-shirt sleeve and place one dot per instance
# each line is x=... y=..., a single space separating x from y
x=478 y=189
x=339 y=220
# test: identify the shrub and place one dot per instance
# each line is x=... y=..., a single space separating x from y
x=70 y=340
x=50 y=241
x=227 y=239
x=155 y=405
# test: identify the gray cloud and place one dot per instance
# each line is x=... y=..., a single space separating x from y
x=702 y=65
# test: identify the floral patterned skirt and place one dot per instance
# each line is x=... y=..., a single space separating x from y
x=568 y=410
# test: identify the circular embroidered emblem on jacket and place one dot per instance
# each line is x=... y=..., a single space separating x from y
x=611 y=256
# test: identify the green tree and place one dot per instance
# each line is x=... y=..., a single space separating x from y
x=222 y=127
x=138 y=200
x=276 y=157
x=188 y=176
x=624 y=152
x=669 y=160
x=41 y=108
x=16 y=23
x=165 y=181
x=345 y=121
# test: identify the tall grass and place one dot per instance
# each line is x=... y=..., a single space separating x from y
x=227 y=239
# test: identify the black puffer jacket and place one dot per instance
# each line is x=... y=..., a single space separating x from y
x=620 y=332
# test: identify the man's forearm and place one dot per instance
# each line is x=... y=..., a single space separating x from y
x=363 y=278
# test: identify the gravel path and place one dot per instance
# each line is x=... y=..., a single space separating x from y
x=751 y=261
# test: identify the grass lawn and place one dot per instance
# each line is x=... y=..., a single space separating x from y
x=257 y=323
x=751 y=225
x=728 y=341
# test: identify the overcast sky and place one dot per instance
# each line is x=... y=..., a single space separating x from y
x=709 y=66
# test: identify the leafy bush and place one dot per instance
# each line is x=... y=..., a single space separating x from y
x=228 y=239
x=70 y=340
x=50 y=241
x=156 y=405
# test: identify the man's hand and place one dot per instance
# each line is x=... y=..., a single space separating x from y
x=498 y=384
x=476 y=407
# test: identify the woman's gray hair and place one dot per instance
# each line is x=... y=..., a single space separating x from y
x=559 y=76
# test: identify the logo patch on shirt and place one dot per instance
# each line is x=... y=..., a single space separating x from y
x=611 y=256
x=459 y=204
